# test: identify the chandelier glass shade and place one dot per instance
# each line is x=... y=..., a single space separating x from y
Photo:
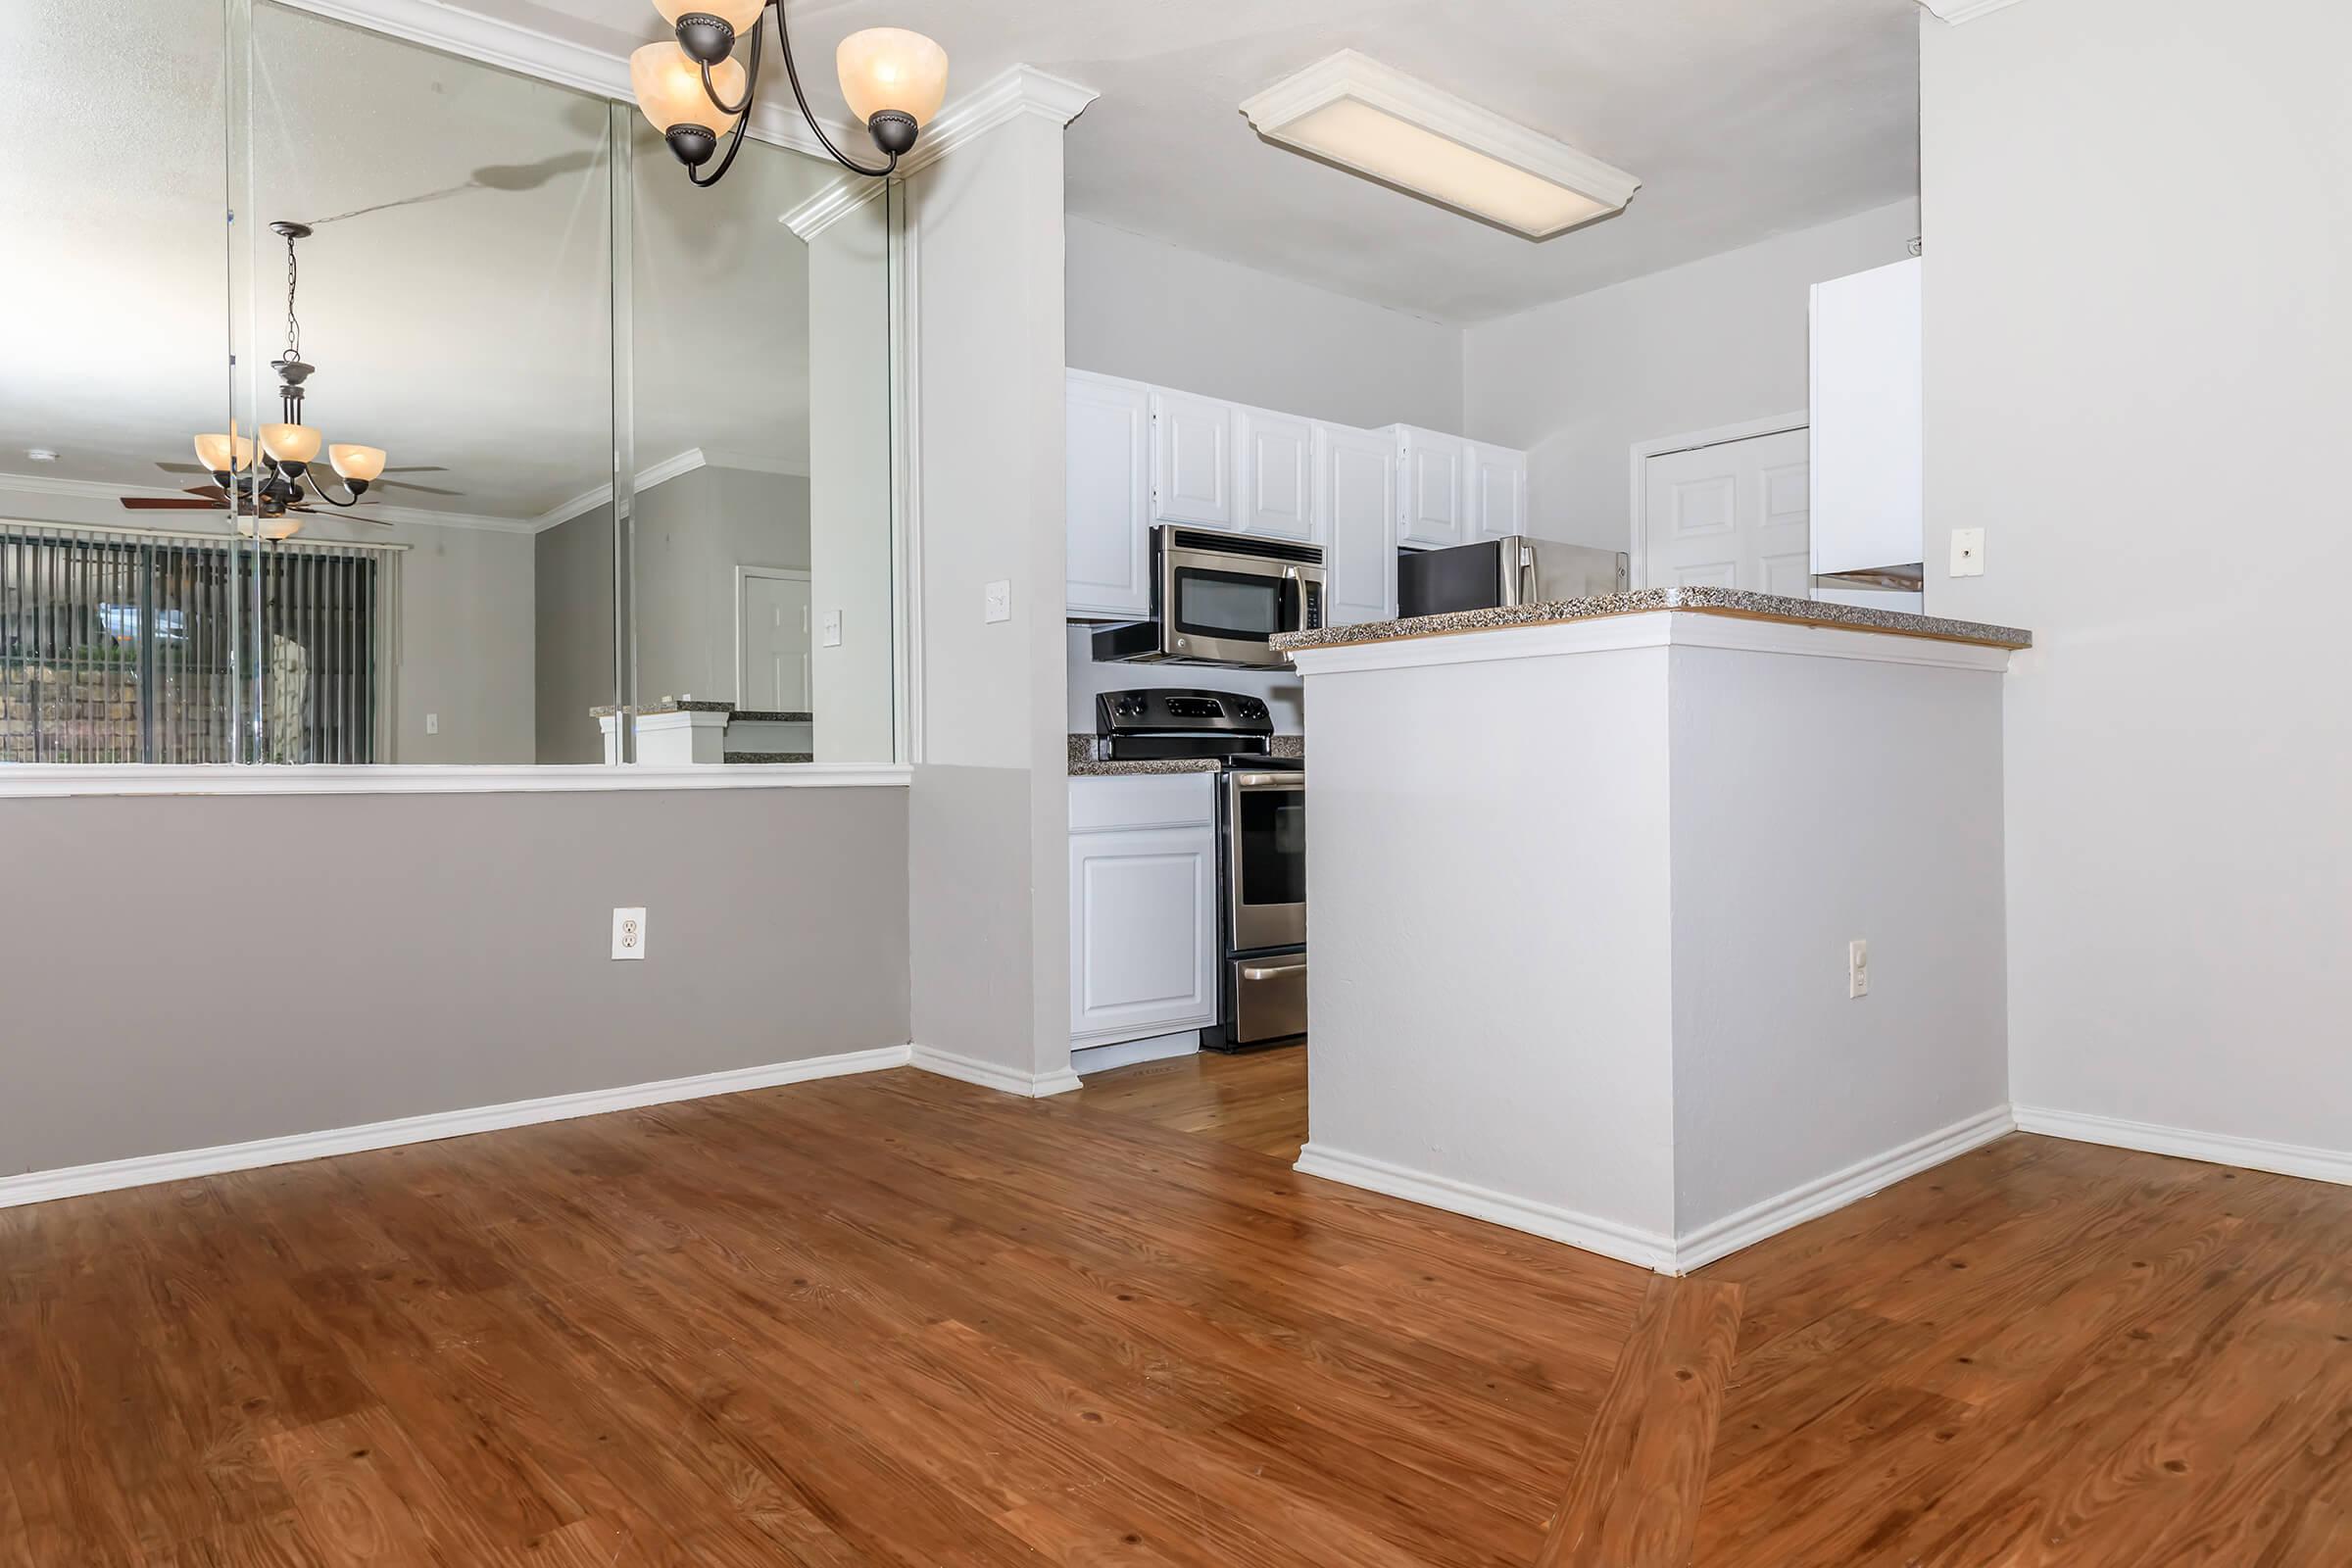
x=695 y=90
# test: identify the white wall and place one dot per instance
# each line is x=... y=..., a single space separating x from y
x=1152 y=311
x=1576 y=383
x=989 y=818
x=2138 y=336
x=692 y=533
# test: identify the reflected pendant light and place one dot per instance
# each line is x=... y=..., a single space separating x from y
x=288 y=447
x=695 y=91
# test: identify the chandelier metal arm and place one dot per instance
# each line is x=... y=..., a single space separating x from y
x=734 y=144
x=750 y=77
x=318 y=489
x=792 y=74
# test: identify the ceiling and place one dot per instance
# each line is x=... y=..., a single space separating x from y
x=1742 y=117
x=453 y=296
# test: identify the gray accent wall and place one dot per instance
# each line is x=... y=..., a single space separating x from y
x=210 y=971
x=573 y=616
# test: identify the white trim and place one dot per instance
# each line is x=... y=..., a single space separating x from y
x=1956 y=12
x=994 y=1075
x=587 y=500
x=1128 y=1053
x=1348 y=75
x=35 y=485
x=905 y=249
x=2218 y=1148
x=510 y=46
x=1690 y=441
x=48 y=781
x=41 y=1186
x=1823 y=1195
x=1013 y=92
x=1606 y=1236
x=744 y=574
x=1650 y=629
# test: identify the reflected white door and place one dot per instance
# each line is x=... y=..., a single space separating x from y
x=1737 y=514
x=772 y=629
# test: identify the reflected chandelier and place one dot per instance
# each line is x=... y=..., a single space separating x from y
x=695 y=90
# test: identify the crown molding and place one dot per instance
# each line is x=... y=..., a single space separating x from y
x=1349 y=75
x=1010 y=94
x=1959 y=10
x=35 y=485
x=529 y=52
x=667 y=468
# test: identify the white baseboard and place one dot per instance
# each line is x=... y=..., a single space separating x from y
x=1593 y=1234
x=992 y=1075
x=1127 y=1053
x=1814 y=1198
x=2218 y=1148
x=40 y=1186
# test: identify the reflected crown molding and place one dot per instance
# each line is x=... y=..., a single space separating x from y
x=35 y=485
x=1959 y=10
x=571 y=63
x=1012 y=93
x=667 y=468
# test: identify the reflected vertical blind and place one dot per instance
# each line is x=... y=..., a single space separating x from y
x=133 y=646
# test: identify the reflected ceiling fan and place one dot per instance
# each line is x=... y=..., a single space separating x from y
x=271 y=499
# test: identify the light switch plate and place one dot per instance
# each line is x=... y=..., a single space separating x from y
x=628 y=933
x=999 y=602
x=1968 y=551
x=829 y=629
x=432 y=723
x=1857 y=968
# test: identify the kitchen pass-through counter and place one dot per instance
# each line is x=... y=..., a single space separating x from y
x=1658 y=922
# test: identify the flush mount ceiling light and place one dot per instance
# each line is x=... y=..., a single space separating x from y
x=695 y=90
x=1355 y=112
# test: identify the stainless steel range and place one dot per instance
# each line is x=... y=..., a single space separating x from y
x=1261 y=836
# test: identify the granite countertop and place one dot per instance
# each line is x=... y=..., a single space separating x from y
x=1705 y=601
x=1085 y=764
x=771 y=757
x=668 y=704
x=766 y=716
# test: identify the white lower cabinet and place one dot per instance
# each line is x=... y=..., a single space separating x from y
x=1143 y=906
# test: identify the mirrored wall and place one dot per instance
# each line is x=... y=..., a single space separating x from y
x=521 y=449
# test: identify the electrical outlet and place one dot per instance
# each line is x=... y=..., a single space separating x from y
x=432 y=723
x=628 y=933
x=1968 y=551
x=1857 y=968
x=998 y=602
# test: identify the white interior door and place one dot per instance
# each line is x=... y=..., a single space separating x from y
x=772 y=629
x=1737 y=514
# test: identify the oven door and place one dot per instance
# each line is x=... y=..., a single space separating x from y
x=1221 y=609
x=1266 y=859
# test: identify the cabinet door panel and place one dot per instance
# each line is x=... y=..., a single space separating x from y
x=1355 y=517
x=1192 y=459
x=1868 y=422
x=1432 y=484
x=1276 y=478
x=1495 y=504
x=1108 y=497
x=1142 y=932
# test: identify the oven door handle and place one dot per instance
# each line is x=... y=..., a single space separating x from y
x=1269 y=781
x=1271 y=971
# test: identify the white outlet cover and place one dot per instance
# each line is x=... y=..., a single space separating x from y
x=1857 y=968
x=1968 y=551
x=829 y=629
x=999 y=602
x=628 y=933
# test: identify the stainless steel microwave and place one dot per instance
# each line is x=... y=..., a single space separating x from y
x=1218 y=598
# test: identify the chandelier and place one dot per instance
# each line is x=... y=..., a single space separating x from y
x=288 y=447
x=695 y=90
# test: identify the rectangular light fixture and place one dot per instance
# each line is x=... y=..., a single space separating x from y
x=1353 y=110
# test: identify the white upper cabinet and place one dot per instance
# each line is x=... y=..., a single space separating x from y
x=1355 y=522
x=1869 y=427
x=1432 y=484
x=1108 y=497
x=1274 y=477
x=1496 y=502
x=1192 y=459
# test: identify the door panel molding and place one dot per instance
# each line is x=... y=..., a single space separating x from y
x=1688 y=441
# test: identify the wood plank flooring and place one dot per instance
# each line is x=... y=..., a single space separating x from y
x=1254 y=1099
x=898 y=1320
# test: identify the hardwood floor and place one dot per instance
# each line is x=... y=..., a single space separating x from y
x=900 y=1320
x=1255 y=1099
